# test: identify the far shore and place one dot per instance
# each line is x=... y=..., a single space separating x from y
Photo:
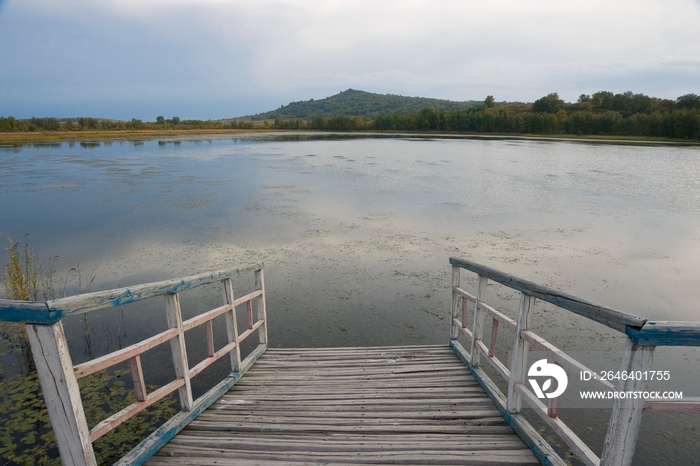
x=77 y=136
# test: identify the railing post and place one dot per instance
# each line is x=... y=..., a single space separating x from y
x=260 y=306
x=478 y=328
x=454 y=331
x=626 y=415
x=179 y=350
x=520 y=349
x=232 y=326
x=61 y=392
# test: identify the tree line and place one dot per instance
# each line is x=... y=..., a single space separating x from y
x=602 y=113
x=12 y=124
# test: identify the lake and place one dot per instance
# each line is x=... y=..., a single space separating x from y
x=356 y=234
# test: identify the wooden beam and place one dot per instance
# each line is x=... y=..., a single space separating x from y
x=179 y=350
x=626 y=416
x=61 y=392
x=601 y=314
x=478 y=328
x=666 y=333
x=92 y=301
x=456 y=298
x=231 y=325
x=109 y=360
x=137 y=378
x=261 y=307
x=518 y=365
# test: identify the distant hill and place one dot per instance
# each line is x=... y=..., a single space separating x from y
x=359 y=104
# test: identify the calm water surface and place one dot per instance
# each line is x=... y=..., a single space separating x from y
x=356 y=235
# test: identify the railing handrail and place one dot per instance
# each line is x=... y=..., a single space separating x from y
x=54 y=310
x=642 y=338
x=608 y=316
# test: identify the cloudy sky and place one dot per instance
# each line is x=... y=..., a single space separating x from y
x=224 y=58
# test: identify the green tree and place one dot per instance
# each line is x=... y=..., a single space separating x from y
x=489 y=102
x=160 y=120
x=551 y=103
x=688 y=101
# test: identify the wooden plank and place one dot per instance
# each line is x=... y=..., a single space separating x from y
x=250 y=330
x=499 y=316
x=146 y=449
x=520 y=350
x=231 y=325
x=137 y=378
x=208 y=361
x=560 y=357
x=261 y=307
x=542 y=450
x=103 y=299
x=601 y=314
x=494 y=361
x=323 y=410
x=685 y=405
x=666 y=333
x=205 y=317
x=557 y=425
x=133 y=409
x=111 y=359
x=179 y=350
x=478 y=327
x=27 y=312
x=61 y=392
x=456 y=301
x=621 y=437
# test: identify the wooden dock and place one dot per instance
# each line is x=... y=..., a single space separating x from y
x=376 y=405
x=380 y=405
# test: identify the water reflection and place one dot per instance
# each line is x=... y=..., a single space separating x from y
x=356 y=233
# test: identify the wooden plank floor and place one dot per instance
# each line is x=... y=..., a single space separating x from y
x=383 y=405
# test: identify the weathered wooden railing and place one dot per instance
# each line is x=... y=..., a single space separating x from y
x=59 y=378
x=642 y=337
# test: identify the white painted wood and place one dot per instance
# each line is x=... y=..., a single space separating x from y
x=478 y=328
x=686 y=405
x=621 y=438
x=569 y=364
x=101 y=299
x=232 y=325
x=518 y=366
x=179 y=350
x=456 y=299
x=261 y=306
x=62 y=394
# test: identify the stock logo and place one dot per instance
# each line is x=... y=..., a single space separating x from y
x=542 y=368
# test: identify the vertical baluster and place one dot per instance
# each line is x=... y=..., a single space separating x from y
x=137 y=377
x=179 y=349
x=464 y=312
x=249 y=308
x=478 y=328
x=454 y=331
x=261 y=307
x=494 y=336
x=520 y=349
x=61 y=392
x=210 y=338
x=232 y=325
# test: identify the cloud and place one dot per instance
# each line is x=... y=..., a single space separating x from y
x=189 y=53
